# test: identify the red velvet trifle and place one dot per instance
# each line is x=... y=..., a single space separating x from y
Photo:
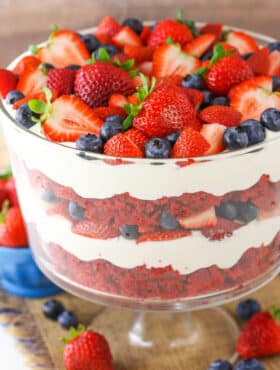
x=146 y=159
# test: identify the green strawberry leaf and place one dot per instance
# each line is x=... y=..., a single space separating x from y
x=92 y=59
x=33 y=49
x=170 y=41
x=127 y=123
x=6 y=174
x=180 y=16
x=133 y=73
x=37 y=106
x=74 y=333
x=275 y=312
x=48 y=94
x=4 y=210
x=201 y=72
x=103 y=55
x=54 y=29
x=218 y=53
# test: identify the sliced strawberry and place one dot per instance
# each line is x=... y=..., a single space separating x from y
x=69 y=119
x=228 y=47
x=95 y=230
x=223 y=228
x=259 y=62
x=213 y=134
x=118 y=100
x=8 y=82
x=26 y=63
x=145 y=34
x=133 y=99
x=200 y=45
x=127 y=37
x=274 y=64
x=162 y=236
x=139 y=54
x=146 y=68
x=10 y=188
x=64 y=48
x=104 y=112
x=215 y=28
x=196 y=97
x=226 y=116
x=171 y=60
x=107 y=28
x=121 y=146
x=190 y=144
x=242 y=42
x=137 y=137
x=31 y=82
x=264 y=82
x=199 y=220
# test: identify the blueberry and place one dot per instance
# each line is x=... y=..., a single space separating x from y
x=227 y=210
x=111 y=127
x=234 y=138
x=193 y=81
x=111 y=50
x=49 y=196
x=46 y=67
x=247 y=56
x=172 y=138
x=251 y=364
x=220 y=365
x=52 y=309
x=274 y=46
x=129 y=231
x=73 y=67
x=24 y=116
x=13 y=96
x=247 y=211
x=168 y=222
x=207 y=56
x=90 y=143
x=208 y=97
x=220 y=100
x=67 y=320
x=153 y=26
x=157 y=148
x=255 y=131
x=271 y=119
x=134 y=24
x=275 y=83
x=91 y=42
x=247 y=309
x=75 y=211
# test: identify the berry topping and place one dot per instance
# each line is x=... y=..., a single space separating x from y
x=31 y=82
x=220 y=365
x=235 y=138
x=200 y=45
x=127 y=37
x=214 y=28
x=67 y=320
x=13 y=96
x=26 y=63
x=246 y=309
x=255 y=131
x=227 y=210
x=106 y=29
x=213 y=134
x=52 y=309
x=75 y=211
x=223 y=115
x=112 y=126
x=274 y=46
x=111 y=50
x=8 y=82
x=157 y=148
x=168 y=222
x=90 y=143
x=91 y=42
x=122 y=146
x=247 y=212
x=199 y=220
x=190 y=144
x=172 y=138
x=220 y=100
x=243 y=42
x=61 y=80
x=24 y=116
x=270 y=119
x=252 y=364
x=129 y=231
x=135 y=24
x=193 y=81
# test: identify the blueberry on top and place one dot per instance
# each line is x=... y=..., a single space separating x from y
x=49 y=196
x=251 y=364
x=172 y=138
x=220 y=100
x=111 y=50
x=92 y=43
x=227 y=210
x=73 y=67
x=13 y=96
x=157 y=148
x=167 y=221
x=112 y=126
x=255 y=131
x=24 y=116
x=234 y=138
x=220 y=365
x=75 y=211
x=271 y=119
x=275 y=83
x=247 y=309
x=129 y=231
x=67 y=320
x=90 y=143
x=193 y=81
x=52 y=309
x=135 y=24
x=274 y=46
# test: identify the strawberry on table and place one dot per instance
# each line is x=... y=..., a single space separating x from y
x=243 y=42
x=8 y=82
x=190 y=144
x=224 y=115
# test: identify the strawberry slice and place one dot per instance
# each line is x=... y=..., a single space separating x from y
x=137 y=137
x=171 y=60
x=139 y=54
x=104 y=112
x=223 y=228
x=146 y=68
x=259 y=62
x=214 y=28
x=32 y=81
x=190 y=144
x=126 y=37
x=200 y=45
x=26 y=63
x=95 y=230
x=196 y=97
x=264 y=82
x=69 y=119
x=162 y=236
x=107 y=28
x=118 y=100
x=145 y=34
x=199 y=220
x=274 y=64
x=214 y=134
x=121 y=145
x=8 y=82
x=242 y=42
x=64 y=48
x=226 y=116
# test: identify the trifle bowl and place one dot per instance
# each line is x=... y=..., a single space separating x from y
x=168 y=234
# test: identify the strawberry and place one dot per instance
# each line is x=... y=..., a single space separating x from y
x=26 y=63
x=162 y=236
x=260 y=337
x=167 y=109
x=169 y=28
x=121 y=145
x=196 y=97
x=213 y=134
x=126 y=37
x=104 y=112
x=146 y=68
x=145 y=34
x=214 y=28
x=200 y=45
x=222 y=229
x=242 y=42
x=117 y=100
x=31 y=82
x=69 y=119
x=224 y=115
x=12 y=228
x=95 y=83
x=95 y=230
x=274 y=64
x=137 y=137
x=10 y=188
x=259 y=62
x=170 y=60
x=107 y=28
x=253 y=97
x=190 y=144
x=199 y=220
x=227 y=72
x=139 y=53
x=227 y=47
x=120 y=57
x=61 y=80
x=64 y=48
x=86 y=350
x=8 y=82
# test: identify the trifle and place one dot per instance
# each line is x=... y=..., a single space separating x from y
x=145 y=157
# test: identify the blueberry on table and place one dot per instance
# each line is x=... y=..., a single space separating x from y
x=73 y=67
x=227 y=210
x=111 y=50
x=111 y=127
x=255 y=131
x=135 y=24
x=270 y=119
x=168 y=222
x=67 y=320
x=90 y=143
x=252 y=364
x=247 y=309
x=24 y=116
x=13 y=96
x=157 y=148
x=193 y=81
x=52 y=309
x=234 y=138
x=129 y=231
x=91 y=42
x=275 y=83
x=49 y=196
x=173 y=137
x=75 y=211
x=220 y=100
x=274 y=46
x=220 y=365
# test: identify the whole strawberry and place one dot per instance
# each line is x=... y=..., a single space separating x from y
x=179 y=33
x=61 y=80
x=95 y=83
x=261 y=335
x=87 y=350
